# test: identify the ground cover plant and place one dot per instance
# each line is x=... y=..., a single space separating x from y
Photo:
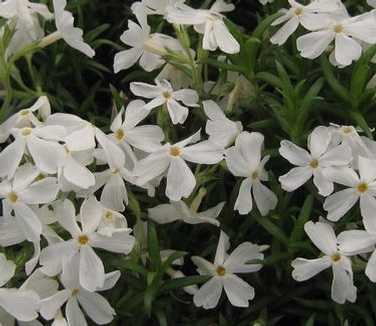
x=171 y=162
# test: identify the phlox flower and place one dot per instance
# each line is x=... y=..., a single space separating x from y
x=23 y=18
x=223 y=271
x=160 y=7
x=66 y=30
x=335 y=256
x=127 y=133
x=360 y=187
x=22 y=191
x=313 y=16
x=76 y=298
x=84 y=136
x=221 y=130
x=111 y=221
x=347 y=34
x=349 y=136
x=25 y=117
x=208 y=22
x=244 y=160
x=321 y=157
x=171 y=158
x=40 y=142
x=178 y=210
x=162 y=93
x=91 y=270
x=22 y=304
x=146 y=47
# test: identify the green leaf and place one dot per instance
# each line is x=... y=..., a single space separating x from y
x=175 y=255
x=178 y=283
x=153 y=248
x=270 y=227
x=310 y=321
x=361 y=122
x=304 y=216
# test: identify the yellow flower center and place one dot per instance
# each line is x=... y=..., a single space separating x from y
x=362 y=187
x=24 y=113
x=83 y=239
x=336 y=257
x=314 y=163
x=347 y=130
x=338 y=28
x=119 y=134
x=298 y=11
x=108 y=215
x=75 y=292
x=115 y=171
x=13 y=198
x=221 y=271
x=166 y=95
x=175 y=152
x=40 y=177
x=26 y=132
x=254 y=175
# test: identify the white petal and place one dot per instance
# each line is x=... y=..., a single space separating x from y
x=28 y=221
x=22 y=304
x=265 y=199
x=204 y=267
x=164 y=213
x=367 y=169
x=313 y=44
x=204 y=152
x=285 y=31
x=354 y=242
x=295 y=178
x=323 y=236
x=96 y=307
x=237 y=261
x=221 y=252
x=294 y=154
x=91 y=271
x=40 y=192
x=238 y=291
x=367 y=205
x=120 y=241
x=371 y=267
x=74 y=314
x=304 y=269
x=77 y=174
x=114 y=193
x=226 y=42
x=346 y=49
x=91 y=214
x=126 y=59
x=51 y=304
x=342 y=287
x=10 y=157
x=323 y=185
x=208 y=295
x=243 y=202
x=178 y=113
x=180 y=180
x=339 y=203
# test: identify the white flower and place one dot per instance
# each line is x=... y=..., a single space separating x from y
x=23 y=18
x=208 y=22
x=74 y=295
x=163 y=93
x=145 y=46
x=40 y=142
x=178 y=210
x=22 y=304
x=91 y=269
x=322 y=235
x=244 y=160
x=21 y=192
x=372 y=3
x=171 y=158
x=66 y=30
x=126 y=132
x=347 y=33
x=322 y=156
x=220 y=129
x=160 y=7
x=313 y=16
x=25 y=117
x=362 y=188
x=223 y=272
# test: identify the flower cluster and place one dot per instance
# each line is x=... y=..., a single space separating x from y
x=81 y=205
